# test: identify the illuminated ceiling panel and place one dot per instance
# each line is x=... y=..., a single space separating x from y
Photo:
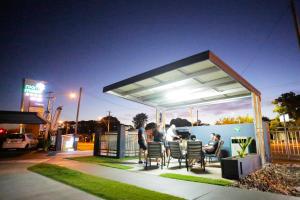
x=200 y=79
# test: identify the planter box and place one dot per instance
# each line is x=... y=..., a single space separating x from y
x=236 y=167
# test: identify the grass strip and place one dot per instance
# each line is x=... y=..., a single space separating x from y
x=108 y=162
x=198 y=179
x=95 y=185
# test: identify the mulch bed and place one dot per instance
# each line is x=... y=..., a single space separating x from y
x=276 y=178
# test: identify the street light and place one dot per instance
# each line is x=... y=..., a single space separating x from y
x=72 y=95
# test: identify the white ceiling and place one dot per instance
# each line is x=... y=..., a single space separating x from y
x=197 y=83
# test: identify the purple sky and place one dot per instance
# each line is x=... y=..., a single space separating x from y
x=95 y=43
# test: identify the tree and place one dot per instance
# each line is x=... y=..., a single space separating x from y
x=288 y=103
x=139 y=120
x=110 y=121
x=266 y=119
x=235 y=120
x=88 y=127
x=178 y=122
x=275 y=123
x=199 y=123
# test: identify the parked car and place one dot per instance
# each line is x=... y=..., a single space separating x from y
x=20 y=141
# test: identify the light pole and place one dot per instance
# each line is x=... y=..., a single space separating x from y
x=78 y=107
x=72 y=95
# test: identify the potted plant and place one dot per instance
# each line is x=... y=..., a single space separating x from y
x=240 y=166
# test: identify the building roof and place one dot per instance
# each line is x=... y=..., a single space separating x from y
x=17 y=117
x=199 y=79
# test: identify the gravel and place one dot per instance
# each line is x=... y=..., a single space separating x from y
x=276 y=178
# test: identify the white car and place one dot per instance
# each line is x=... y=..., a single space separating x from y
x=19 y=141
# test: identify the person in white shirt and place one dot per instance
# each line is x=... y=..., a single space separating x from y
x=170 y=135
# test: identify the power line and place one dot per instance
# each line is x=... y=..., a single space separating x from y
x=283 y=84
x=266 y=39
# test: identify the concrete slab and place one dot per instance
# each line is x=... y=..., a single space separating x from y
x=18 y=183
x=212 y=170
x=184 y=189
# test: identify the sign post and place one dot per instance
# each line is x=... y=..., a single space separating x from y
x=32 y=97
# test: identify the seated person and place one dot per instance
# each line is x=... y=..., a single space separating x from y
x=158 y=136
x=212 y=146
x=212 y=139
x=149 y=131
x=194 y=138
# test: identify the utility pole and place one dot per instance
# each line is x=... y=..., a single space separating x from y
x=77 y=114
x=47 y=114
x=108 y=121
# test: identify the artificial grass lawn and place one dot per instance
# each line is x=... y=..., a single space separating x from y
x=95 y=185
x=108 y=162
x=198 y=179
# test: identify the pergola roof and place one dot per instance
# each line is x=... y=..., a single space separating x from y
x=199 y=79
x=17 y=117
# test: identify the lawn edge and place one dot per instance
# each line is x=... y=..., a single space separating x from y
x=228 y=184
x=31 y=168
x=102 y=164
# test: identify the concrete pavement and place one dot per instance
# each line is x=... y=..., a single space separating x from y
x=16 y=182
x=184 y=189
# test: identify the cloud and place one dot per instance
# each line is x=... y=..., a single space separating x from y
x=226 y=108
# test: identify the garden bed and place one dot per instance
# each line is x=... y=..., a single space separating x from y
x=276 y=178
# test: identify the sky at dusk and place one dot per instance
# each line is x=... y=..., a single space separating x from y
x=91 y=44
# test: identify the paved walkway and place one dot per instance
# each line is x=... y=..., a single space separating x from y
x=187 y=190
x=16 y=182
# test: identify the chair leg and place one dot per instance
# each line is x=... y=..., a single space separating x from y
x=179 y=160
x=201 y=162
x=187 y=165
x=146 y=163
x=162 y=162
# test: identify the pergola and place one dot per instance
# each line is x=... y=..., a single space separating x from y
x=200 y=79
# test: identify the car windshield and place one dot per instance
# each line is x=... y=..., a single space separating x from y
x=15 y=136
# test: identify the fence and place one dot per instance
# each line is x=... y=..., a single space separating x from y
x=285 y=143
x=109 y=142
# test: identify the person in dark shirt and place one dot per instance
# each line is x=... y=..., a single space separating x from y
x=142 y=142
x=212 y=139
x=212 y=146
x=158 y=136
